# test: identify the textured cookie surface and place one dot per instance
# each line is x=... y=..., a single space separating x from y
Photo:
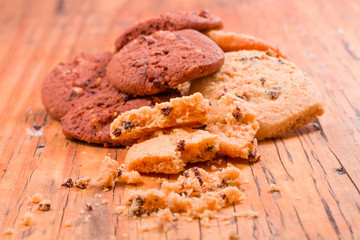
x=179 y=112
x=281 y=95
x=200 y=21
x=235 y=124
x=90 y=118
x=73 y=79
x=163 y=60
x=169 y=152
x=230 y=41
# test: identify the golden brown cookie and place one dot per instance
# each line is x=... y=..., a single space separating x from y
x=230 y=41
x=282 y=96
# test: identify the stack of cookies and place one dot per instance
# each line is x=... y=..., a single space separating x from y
x=171 y=93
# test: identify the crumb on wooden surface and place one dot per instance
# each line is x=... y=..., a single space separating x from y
x=28 y=219
x=274 y=188
x=36 y=198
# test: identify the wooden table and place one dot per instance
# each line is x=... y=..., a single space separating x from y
x=316 y=167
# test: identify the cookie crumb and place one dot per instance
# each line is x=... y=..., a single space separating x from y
x=82 y=182
x=68 y=182
x=144 y=228
x=98 y=195
x=112 y=237
x=87 y=218
x=44 y=205
x=27 y=219
x=9 y=231
x=274 y=188
x=36 y=198
x=119 y=209
x=105 y=202
x=82 y=211
x=233 y=236
x=68 y=223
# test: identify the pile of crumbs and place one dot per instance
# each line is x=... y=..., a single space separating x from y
x=195 y=194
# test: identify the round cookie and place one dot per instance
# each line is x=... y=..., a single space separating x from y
x=281 y=95
x=163 y=60
x=200 y=21
x=70 y=80
x=230 y=41
x=90 y=118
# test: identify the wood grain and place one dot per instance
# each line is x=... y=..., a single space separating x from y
x=316 y=167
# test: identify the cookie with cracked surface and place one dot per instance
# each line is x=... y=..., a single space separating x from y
x=188 y=111
x=90 y=118
x=169 y=152
x=282 y=96
x=70 y=80
x=230 y=41
x=163 y=60
x=200 y=21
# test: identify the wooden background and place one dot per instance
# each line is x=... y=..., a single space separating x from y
x=316 y=167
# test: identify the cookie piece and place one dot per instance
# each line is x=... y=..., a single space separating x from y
x=90 y=118
x=196 y=193
x=179 y=112
x=163 y=60
x=70 y=80
x=282 y=96
x=169 y=152
x=234 y=122
x=200 y=21
x=230 y=41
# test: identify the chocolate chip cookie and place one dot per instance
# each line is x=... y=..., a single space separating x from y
x=70 y=80
x=282 y=96
x=163 y=60
x=200 y=21
x=90 y=118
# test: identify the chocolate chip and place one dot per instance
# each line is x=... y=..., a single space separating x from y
x=117 y=132
x=127 y=125
x=243 y=59
x=180 y=145
x=183 y=193
x=142 y=38
x=254 y=58
x=224 y=183
x=341 y=170
x=200 y=127
x=88 y=207
x=238 y=114
x=254 y=156
x=198 y=175
x=262 y=80
x=71 y=96
x=119 y=172
x=272 y=94
x=280 y=61
x=68 y=182
x=166 y=111
x=223 y=196
x=36 y=127
x=209 y=149
x=186 y=174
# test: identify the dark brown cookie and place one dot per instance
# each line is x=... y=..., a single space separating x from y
x=200 y=21
x=90 y=118
x=163 y=60
x=70 y=80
